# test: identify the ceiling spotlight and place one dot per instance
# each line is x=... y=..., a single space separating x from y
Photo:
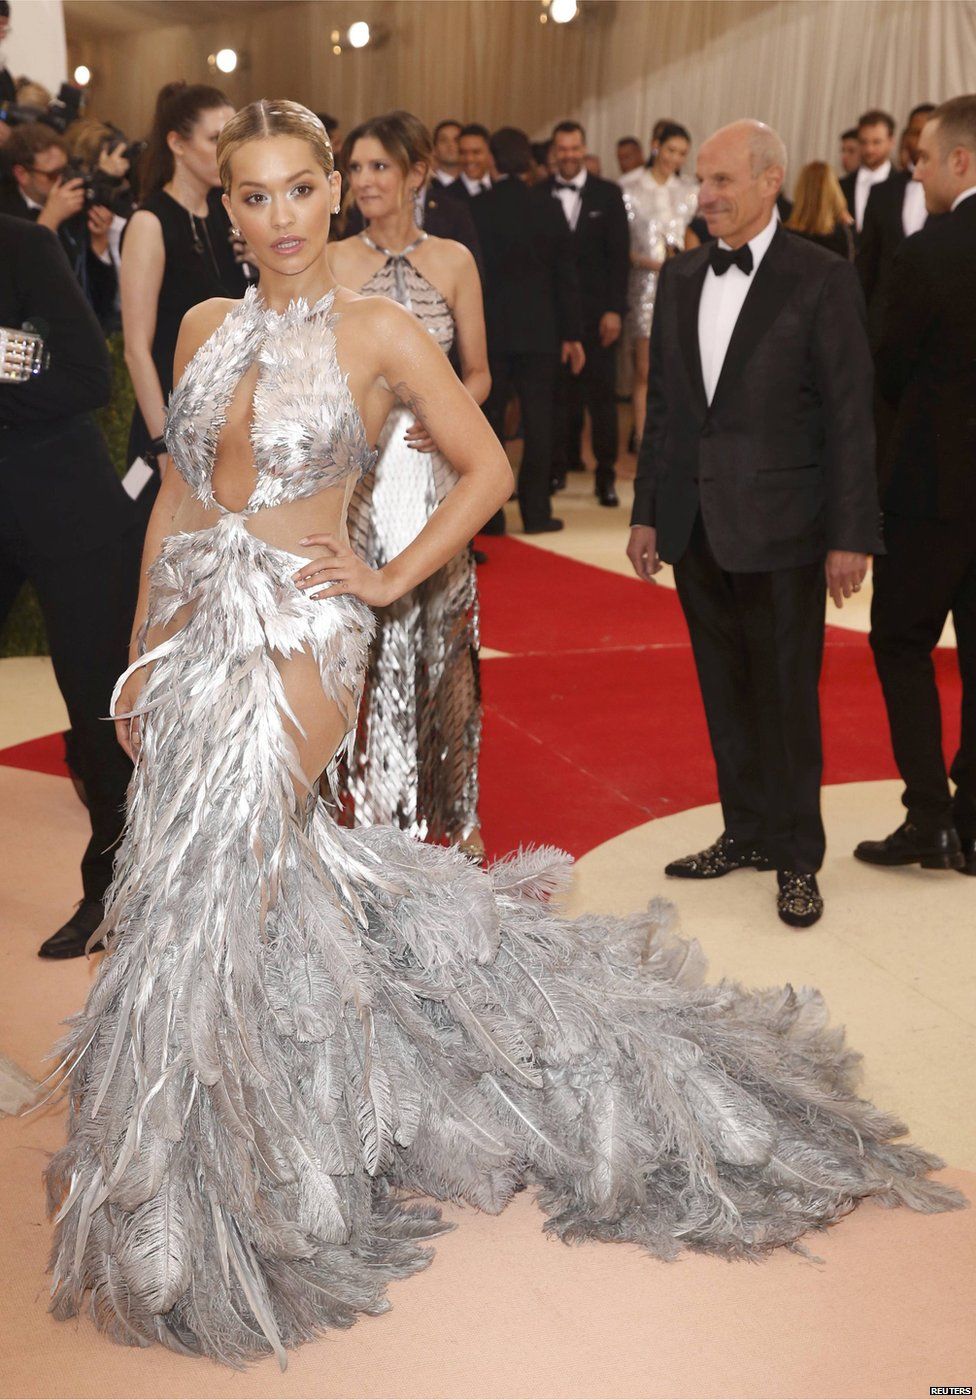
x=225 y=60
x=563 y=11
x=82 y=75
x=358 y=34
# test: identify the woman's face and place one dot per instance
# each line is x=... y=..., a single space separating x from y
x=281 y=200
x=197 y=153
x=672 y=155
x=378 y=184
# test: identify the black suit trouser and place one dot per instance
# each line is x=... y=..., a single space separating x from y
x=927 y=572
x=757 y=640
x=596 y=389
x=88 y=600
x=532 y=376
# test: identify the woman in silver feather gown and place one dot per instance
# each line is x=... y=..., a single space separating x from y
x=298 y=1028
x=418 y=738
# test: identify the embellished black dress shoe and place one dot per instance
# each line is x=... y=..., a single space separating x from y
x=721 y=859
x=70 y=939
x=799 y=902
x=545 y=527
x=937 y=848
x=607 y=496
x=556 y=483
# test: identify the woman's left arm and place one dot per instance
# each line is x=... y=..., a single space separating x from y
x=413 y=369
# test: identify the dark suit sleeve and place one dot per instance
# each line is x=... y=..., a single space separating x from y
x=651 y=451
x=842 y=360
x=103 y=285
x=908 y=313
x=618 y=236
x=80 y=376
x=569 y=305
x=868 y=261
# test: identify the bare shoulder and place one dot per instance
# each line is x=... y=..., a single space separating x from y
x=451 y=253
x=202 y=320
x=377 y=318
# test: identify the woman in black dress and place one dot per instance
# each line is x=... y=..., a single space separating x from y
x=177 y=252
x=820 y=210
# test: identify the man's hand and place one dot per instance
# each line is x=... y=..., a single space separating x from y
x=99 y=223
x=65 y=199
x=610 y=324
x=573 y=354
x=642 y=551
x=845 y=574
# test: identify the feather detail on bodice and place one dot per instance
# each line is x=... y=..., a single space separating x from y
x=306 y=431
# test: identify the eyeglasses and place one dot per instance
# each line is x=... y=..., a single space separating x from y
x=50 y=174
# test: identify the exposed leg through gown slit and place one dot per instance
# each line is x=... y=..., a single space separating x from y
x=298 y=1029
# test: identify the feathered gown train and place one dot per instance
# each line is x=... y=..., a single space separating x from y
x=298 y=1028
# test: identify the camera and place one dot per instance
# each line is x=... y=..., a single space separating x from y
x=59 y=113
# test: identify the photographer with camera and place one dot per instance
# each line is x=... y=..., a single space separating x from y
x=43 y=187
x=67 y=527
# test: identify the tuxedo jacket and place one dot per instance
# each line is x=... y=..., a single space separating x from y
x=102 y=278
x=781 y=464
x=601 y=247
x=926 y=367
x=444 y=218
x=881 y=236
x=56 y=477
x=532 y=299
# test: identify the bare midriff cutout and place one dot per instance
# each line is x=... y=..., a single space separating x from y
x=282 y=527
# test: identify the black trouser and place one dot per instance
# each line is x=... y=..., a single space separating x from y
x=927 y=572
x=88 y=600
x=758 y=645
x=531 y=376
x=596 y=388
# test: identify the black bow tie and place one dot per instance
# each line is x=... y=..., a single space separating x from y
x=721 y=259
x=567 y=185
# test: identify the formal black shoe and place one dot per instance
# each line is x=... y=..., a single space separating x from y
x=968 y=844
x=721 y=859
x=936 y=849
x=607 y=496
x=494 y=526
x=799 y=902
x=556 y=483
x=479 y=556
x=70 y=939
x=545 y=527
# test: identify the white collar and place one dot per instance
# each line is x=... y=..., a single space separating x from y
x=578 y=180
x=873 y=177
x=966 y=194
x=759 y=244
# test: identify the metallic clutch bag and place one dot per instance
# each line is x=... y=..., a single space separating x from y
x=22 y=355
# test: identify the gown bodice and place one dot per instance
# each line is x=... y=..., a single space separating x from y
x=401 y=281
x=306 y=433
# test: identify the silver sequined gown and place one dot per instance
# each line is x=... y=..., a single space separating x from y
x=658 y=216
x=415 y=760
x=296 y=1023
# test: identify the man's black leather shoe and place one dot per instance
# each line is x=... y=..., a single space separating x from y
x=70 y=939
x=968 y=844
x=607 y=496
x=936 y=849
x=721 y=859
x=556 y=483
x=799 y=902
x=545 y=527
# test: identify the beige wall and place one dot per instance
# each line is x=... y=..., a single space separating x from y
x=807 y=66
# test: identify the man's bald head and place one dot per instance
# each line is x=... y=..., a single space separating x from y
x=742 y=168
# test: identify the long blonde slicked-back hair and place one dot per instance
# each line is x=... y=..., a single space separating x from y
x=272 y=117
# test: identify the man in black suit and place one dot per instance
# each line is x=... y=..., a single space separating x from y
x=474 y=153
x=756 y=480
x=68 y=527
x=532 y=313
x=926 y=366
x=876 y=138
x=36 y=157
x=894 y=211
x=593 y=209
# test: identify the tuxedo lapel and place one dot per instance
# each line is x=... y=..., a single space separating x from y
x=689 y=295
x=771 y=286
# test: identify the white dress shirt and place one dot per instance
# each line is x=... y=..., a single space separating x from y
x=913 y=213
x=572 y=200
x=862 y=188
x=476 y=187
x=445 y=176
x=720 y=305
x=966 y=194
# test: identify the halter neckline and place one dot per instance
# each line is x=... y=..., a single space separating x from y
x=297 y=307
x=422 y=236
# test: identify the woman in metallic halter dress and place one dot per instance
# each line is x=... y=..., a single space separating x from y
x=415 y=761
x=298 y=1028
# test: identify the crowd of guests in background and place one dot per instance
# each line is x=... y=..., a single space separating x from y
x=569 y=259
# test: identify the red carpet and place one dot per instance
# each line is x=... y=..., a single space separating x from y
x=594 y=724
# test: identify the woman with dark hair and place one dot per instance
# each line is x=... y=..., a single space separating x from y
x=299 y=1029
x=415 y=763
x=176 y=252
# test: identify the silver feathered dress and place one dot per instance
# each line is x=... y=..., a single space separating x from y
x=414 y=763
x=295 y=1024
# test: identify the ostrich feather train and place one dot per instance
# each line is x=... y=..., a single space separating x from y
x=297 y=1029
